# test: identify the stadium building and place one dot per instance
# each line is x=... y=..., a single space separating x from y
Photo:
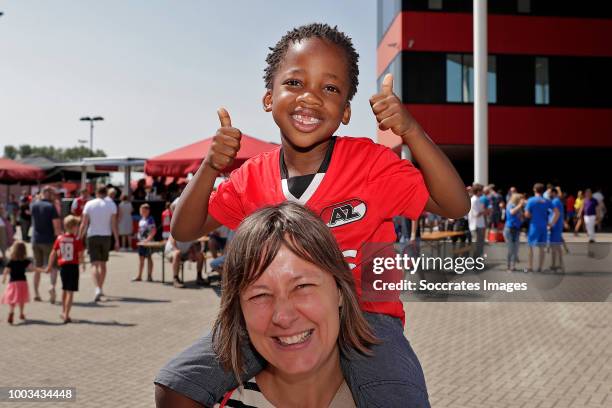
x=549 y=85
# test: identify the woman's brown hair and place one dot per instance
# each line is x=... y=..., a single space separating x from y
x=255 y=245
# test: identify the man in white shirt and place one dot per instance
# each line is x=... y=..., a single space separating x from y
x=476 y=219
x=99 y=223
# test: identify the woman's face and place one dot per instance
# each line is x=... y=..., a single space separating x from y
x=292 y=314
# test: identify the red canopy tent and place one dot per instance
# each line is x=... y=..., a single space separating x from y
x=14 y=172
x=187 y=159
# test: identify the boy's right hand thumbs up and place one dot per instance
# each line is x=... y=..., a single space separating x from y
x=225 y=143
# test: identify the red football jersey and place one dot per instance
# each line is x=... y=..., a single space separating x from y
x=365 y=185
x=67 y=247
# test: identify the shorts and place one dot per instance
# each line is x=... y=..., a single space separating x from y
x=98 y=248
x=555 y=236
x=144 y=252
x=41 y=254
x=537 y=236
x=70 y=277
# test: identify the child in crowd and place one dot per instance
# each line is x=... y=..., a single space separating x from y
x=146 y=233
x=355 y=185
x=16 y=293
x=68 y=250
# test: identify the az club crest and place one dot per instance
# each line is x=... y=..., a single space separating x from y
x=343 y=213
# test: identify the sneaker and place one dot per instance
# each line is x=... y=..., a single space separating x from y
x=37 y=299
x=178 y=284
x=10 y=318
x=136 y=279
x=98 y=297
x=149 y=279
x=52 y=296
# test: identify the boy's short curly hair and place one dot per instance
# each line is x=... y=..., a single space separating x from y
x=320 y=30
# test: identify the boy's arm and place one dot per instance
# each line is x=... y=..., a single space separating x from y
x=152 y=234
x=448 y=197
x=191 y=220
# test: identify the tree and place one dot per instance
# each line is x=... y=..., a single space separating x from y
x=58 y=154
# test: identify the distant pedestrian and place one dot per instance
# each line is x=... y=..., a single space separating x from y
x=578 y=208
x=25 y=218
x=126 y=228
x=476 y=219
x=46 y=225
x=78 y=203
x=99 y=223
x=512 y=229
x=6 y=232
x=68 y=250
x=16 y=293
x=146 y=233
x=536 y=210
x=166 y=220
x=588 y=213
x=555 y=230
x=570 y=212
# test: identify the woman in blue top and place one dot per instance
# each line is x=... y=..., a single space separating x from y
x=512 y=228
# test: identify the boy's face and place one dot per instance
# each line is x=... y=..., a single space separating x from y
x=144 y=212
x=309 y=96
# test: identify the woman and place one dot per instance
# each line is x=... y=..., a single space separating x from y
x=578 y=204
x=288 y=293
x=124 y=222
x=6 y=232
x=512 y=229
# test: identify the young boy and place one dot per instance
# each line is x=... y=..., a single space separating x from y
x=146 y=233
x=354 y=184
x=68 y=249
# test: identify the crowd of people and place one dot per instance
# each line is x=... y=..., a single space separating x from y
x=59 y=238
x=543 y=215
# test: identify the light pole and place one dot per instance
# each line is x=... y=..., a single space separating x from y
x=91 y=121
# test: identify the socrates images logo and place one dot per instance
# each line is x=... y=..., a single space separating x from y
x=343 y=213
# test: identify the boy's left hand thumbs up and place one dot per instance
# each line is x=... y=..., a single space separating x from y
x=389 y=111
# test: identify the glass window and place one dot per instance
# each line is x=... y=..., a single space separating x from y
x=492 y=79
x=467 y=82
x=542 y=94
x=453 y=78
x=524 y=6
x=460 y=78
x=434 y=4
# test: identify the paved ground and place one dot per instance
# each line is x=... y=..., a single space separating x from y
x=473 y=354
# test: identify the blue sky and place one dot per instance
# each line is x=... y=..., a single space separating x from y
x=156 y=70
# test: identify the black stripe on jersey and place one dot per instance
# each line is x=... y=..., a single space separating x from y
x=251 y=386
x=231 y=403
x=298 y=184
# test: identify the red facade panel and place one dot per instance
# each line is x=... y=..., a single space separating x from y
x=527 y=35
x=516 y=126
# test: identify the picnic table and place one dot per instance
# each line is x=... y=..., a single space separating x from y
x=160 y=246
x=436 y=239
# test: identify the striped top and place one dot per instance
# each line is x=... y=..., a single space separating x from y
x=249 y=396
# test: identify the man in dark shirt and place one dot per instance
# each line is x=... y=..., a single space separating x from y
x=46 y=225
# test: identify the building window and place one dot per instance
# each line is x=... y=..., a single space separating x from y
x=542 y=91
x=524 y=6
x=434 y=4
x=460 y=78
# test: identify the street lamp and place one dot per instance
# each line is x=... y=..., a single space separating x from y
x=91 y=121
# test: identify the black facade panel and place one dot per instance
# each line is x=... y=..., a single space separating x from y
x=580 y=82
x=423 y=77
x=515 y=80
